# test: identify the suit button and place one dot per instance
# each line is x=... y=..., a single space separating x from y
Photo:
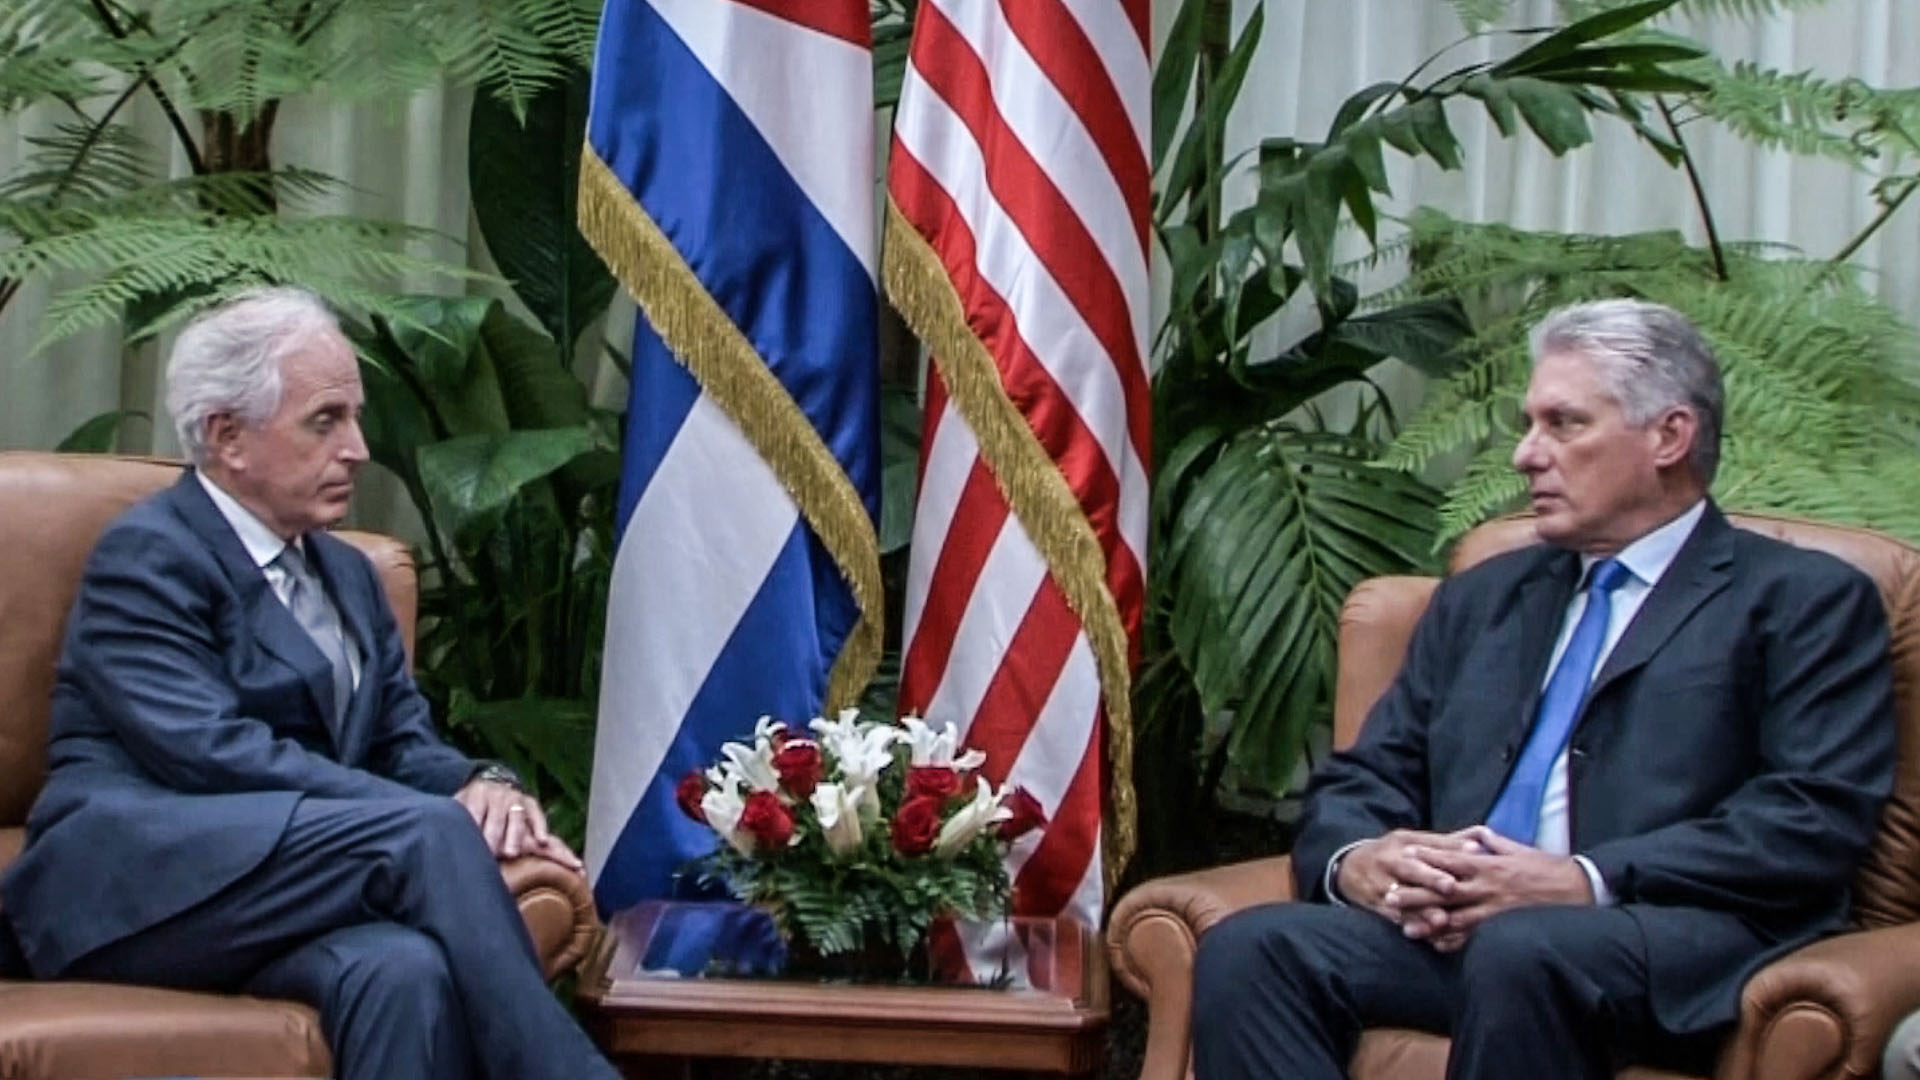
x=1577 y=751
x=1506 y=753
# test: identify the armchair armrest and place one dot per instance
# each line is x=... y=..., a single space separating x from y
x=1155 y=931
x=1827 y=1009
x=558 y=908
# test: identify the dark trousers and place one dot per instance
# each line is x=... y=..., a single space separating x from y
x=1285 y=990
x=390 y=918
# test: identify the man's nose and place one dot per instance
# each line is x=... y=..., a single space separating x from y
x=353 y=447
x=1526 y=454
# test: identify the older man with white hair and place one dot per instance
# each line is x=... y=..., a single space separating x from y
x=244 y=783
x=1618 y=771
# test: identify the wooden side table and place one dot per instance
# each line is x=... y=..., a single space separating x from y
x=645 y=1022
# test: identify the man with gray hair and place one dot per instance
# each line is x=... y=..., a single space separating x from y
x=244 y=783
x=1617 y=772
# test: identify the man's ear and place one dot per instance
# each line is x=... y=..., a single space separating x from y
x=1674 y=433
x=221 y=433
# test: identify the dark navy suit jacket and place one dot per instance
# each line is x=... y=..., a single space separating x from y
x=191 y=712
x=1725 y=775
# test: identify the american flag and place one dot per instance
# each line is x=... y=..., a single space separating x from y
x=1016 y=246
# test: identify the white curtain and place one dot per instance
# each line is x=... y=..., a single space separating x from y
x=407 y=160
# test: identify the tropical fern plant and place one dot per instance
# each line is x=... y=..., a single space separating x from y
x=92 y=199
x=1824 y=414
x=1265 y=517
x=1822 y=379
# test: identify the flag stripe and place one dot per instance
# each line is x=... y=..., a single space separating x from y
x=1028 y=98
x=1063 y=51
x=727 y=183
x=956 y=567
x=927 y=186
x=1024 y=681
x=1049 y=878
x=1052 y=410
x=850 y=24
x=832 y=165
x=1124 y=56
x=728 y=202
x=711 y=452
x=1017 y=249
x=1047 y=220
x=1015 y=115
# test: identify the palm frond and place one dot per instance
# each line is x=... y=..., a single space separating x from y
x=1269 y=540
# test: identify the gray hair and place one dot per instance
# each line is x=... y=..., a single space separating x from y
x=1651 y=359
x=228 y=359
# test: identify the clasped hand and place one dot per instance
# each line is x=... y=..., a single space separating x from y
x=1440 y=886
x=513 y=823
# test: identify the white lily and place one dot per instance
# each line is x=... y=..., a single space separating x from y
x=723 y=807
x=765 y=727
x=966 y=823
x=838 y=808
x=862 y=751
x=751 y=767
x=935 y=748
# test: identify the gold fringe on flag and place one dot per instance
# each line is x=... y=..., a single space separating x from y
x=704 y=338
x=1036 y=491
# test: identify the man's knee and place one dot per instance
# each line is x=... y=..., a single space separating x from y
x=391 y=960
x=1256 y=944
x=1528 y=949
x=438 y=828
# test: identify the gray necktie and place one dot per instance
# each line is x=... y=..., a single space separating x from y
x=308 y=601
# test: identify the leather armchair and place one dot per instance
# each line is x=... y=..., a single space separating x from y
x=1824 y=1011
x=52 y=509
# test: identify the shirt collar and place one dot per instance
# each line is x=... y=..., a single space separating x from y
x=1650 y=556
x=262 y=543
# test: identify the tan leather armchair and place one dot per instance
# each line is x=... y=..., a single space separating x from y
x=52 y=509
x=1824 y=1011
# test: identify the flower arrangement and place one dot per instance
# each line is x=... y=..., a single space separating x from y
x=858 y=835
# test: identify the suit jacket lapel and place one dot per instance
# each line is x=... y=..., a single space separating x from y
x=1539 y=610
x=273 y=626
x=1700 y=569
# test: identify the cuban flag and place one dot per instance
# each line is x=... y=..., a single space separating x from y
x=728 y=181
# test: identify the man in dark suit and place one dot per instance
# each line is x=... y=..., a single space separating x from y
x=245 y=791
x=1616 y=773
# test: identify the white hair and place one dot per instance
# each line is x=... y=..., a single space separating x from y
x=1651 y=359
x=228 y=359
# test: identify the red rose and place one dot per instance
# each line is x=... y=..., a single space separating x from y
x=798 y=763
x=917 y=825
x=1027 y=814
x=688 y=793
x=767 y=820
x=936 y=781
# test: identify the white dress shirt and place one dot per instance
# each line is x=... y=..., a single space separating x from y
x=264 y=546
x=1647 y=560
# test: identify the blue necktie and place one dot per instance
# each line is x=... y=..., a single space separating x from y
x=1516 y=813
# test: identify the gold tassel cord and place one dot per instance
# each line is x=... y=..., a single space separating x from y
x=727 y=367
x=1035 y=490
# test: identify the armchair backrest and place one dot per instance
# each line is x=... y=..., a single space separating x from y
x=1378 y=619
x=53 y=508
